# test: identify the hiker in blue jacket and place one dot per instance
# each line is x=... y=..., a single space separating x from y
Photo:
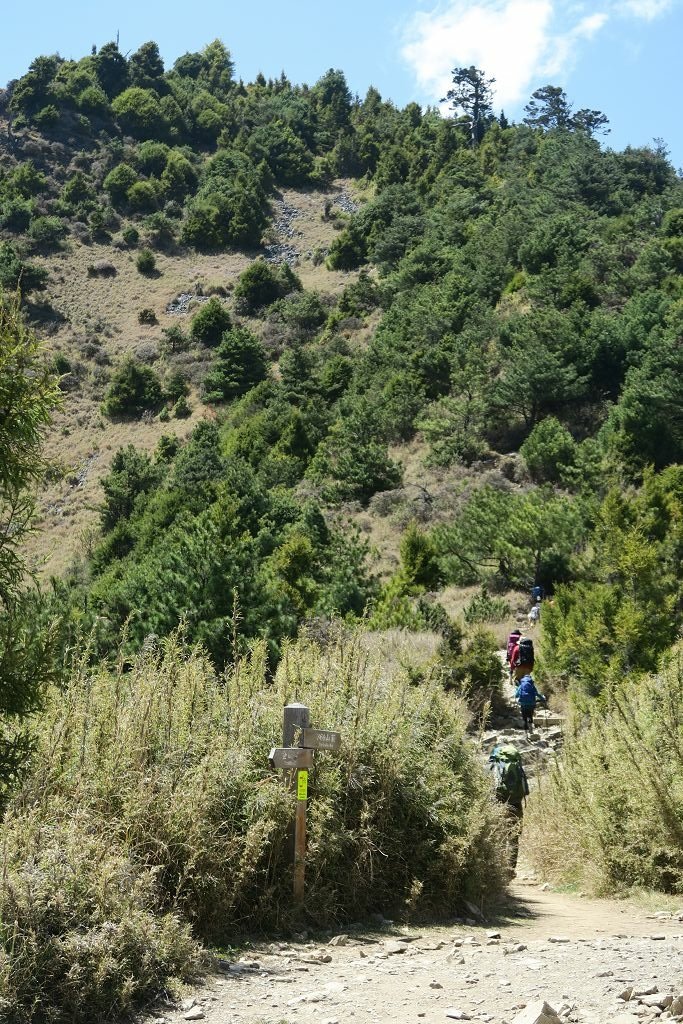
x=528 y=696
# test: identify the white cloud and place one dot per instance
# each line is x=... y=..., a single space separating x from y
x=647 y=9
x=562 y=48
x=507 y=40
x=521 y=43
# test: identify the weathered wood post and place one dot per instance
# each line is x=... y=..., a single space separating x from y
x=295 y=757
x=297 y=718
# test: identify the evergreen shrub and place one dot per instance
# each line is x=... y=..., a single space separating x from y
x=610 y=815
x=151 y=809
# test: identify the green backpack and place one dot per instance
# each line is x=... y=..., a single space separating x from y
x=509 y=780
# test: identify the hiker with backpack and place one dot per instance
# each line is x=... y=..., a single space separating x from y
x=522 y=658
x=528 y=696
x=513 y=640
x=511 y=788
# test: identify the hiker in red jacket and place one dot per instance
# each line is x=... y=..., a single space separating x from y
x=522 y=658
x=513 y=640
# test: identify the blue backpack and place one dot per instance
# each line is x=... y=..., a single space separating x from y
x=526 y=692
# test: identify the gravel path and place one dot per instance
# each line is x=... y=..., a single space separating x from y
x=578 y=954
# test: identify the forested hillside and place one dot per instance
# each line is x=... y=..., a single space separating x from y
x=522 y=283
x=461 y=373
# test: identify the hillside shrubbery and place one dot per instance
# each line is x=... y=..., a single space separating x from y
x=150 y=818
x=611 y=814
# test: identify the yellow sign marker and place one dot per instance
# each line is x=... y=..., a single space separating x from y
x=302 y=785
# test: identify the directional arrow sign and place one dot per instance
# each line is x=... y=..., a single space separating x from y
x=322 y=739
x=290 y=757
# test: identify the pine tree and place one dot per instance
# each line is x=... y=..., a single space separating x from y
x=28 y=394
x=472 y=93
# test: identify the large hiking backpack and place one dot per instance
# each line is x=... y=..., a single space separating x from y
x=509 y=781
x=526 y=692
x=525 y=655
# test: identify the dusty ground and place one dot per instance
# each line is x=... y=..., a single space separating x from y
x=410 y=975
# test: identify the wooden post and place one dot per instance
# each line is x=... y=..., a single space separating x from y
x=295 y=720
x=295 y=757
x=300 y=836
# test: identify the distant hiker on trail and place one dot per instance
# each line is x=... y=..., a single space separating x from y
x=528 y=696
x=534 y=615
x=511 y=788
x=522 y=658
x=537 y=594
x=513 y=640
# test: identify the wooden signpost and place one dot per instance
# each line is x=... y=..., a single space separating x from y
x=290 y=758
x=322 y=739
x=295 y=757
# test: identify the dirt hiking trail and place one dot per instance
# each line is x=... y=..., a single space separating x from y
x=579 y=954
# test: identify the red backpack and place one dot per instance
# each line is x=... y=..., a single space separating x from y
x=513 y=640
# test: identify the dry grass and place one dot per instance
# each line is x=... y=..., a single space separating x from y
x=82 y=443
x=611 y=815
x=391 y=651
x=150 y=807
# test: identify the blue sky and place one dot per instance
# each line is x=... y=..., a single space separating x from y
x=619 y=56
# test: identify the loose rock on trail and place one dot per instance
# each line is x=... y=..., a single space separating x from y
x=582 y=956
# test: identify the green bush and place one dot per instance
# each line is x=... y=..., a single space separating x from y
x=133 y=390
x=174 y=338
x=146 y=261
x=147 y=316
x=353 y=461
x=130 y=235
x=348 y=251
x=257 y=286
x=485 y=608
x=549 y=452
x=142 y=196
x=176 y=385
x=152 y=807
x=118 y=182
x=239 y=365
x=182 y=408
x=151 y=157
x=15 y=214
x=47 y=117
x=418 y=559
x=473 y=670
x=138 y=112
x=46 y=233
x=16 y=273
x=210 y=322
x=610 y=816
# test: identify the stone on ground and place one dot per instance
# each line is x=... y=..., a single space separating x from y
x=538 y=1012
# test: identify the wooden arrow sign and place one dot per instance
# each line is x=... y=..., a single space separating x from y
x=322 y=739
x=290 y=757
